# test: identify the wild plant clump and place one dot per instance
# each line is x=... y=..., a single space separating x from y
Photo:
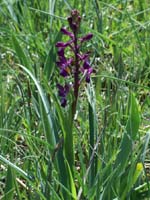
x=76 y=66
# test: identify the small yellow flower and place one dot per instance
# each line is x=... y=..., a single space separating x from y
x=110 y=36
x=138 y=171
x=119 y=7
x=139 y=166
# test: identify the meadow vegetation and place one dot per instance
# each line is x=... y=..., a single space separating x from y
x=99 y=150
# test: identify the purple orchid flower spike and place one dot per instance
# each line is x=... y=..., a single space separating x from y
x=73 y=67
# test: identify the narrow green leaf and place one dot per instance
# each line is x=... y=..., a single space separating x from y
x=92 y=130
x=50 y=135
x=125 y=150
x=134 y=118
x=145 y=146
x=9 y=187
x=107 y=188
x=24 y=60
x=11 y=10
x=19 y=170
x=71 y=181
x=49 y=63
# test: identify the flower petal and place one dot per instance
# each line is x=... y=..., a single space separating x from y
x=66 y=32
x=62 y=92
x=86 y=65
x=87 y=79
x=83 y=56
x=63 y=102
x=62 y=44
x=61 y=52
x=86 y=37
x=89 y=72
x=64 y=72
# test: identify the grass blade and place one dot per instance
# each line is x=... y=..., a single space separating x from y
x=9 y=188
x=50 y=135
x=20 y=52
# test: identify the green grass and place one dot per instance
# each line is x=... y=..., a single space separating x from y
x=109 y=158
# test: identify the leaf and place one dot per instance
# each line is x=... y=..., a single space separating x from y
x=9 y=187
x=129 y=135
x=19 y=170
x=92 y=130
x=145 y=146
x=49 y=63
x=49 y=122
x=24 y=60
x=9 y=5
x=71 y=182
x=134 y=118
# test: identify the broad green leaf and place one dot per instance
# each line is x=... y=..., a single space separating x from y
x=129 y=135
x=134 y=118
